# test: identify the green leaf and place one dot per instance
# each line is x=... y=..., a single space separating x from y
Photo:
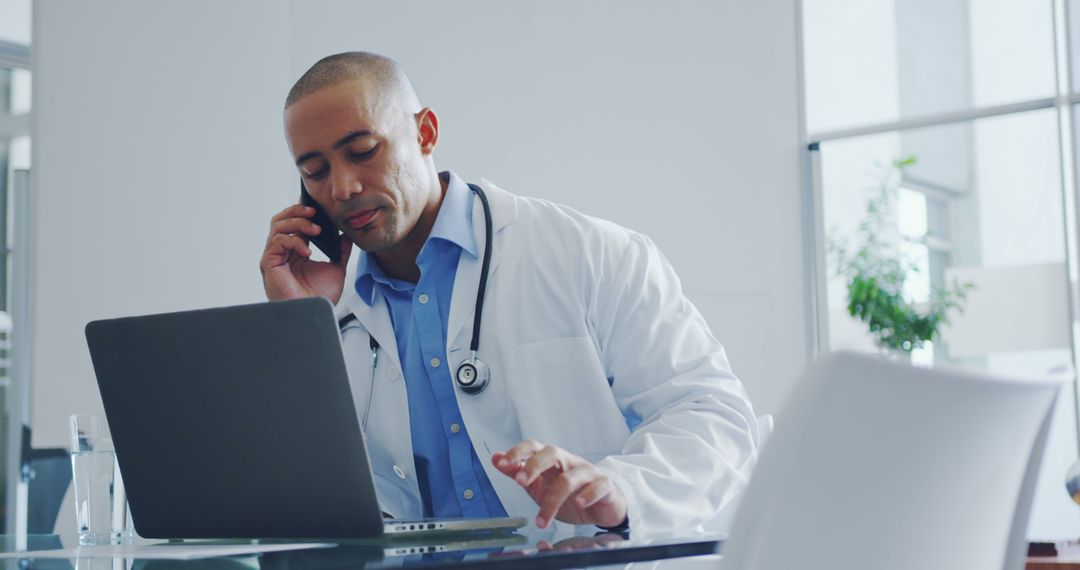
x=876 y=270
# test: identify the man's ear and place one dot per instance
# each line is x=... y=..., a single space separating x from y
x=427 y=123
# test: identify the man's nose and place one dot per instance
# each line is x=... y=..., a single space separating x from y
x=345 y=185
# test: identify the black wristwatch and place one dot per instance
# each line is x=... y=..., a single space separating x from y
x=619 y=528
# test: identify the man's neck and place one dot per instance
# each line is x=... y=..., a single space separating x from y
x=399 y=262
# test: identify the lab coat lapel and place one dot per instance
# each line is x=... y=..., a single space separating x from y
x=376 y=319
x=389 y=433
x=467 y=280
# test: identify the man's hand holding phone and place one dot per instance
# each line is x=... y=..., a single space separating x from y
x=287 y=270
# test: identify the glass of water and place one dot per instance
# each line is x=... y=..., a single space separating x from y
x=101 y=514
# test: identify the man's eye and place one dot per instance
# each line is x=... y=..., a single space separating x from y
x=314 y=170
x=358 y=156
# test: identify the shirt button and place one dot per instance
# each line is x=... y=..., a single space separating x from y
x=399 y=472
x=423 y=299
x=454 y=428
x=435 y=362
x=468 y=494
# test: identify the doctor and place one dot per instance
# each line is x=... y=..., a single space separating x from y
x=607 y=401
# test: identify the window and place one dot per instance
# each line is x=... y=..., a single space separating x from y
x=15 y=109
x=974 y=101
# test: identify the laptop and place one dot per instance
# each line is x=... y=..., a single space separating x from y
x=238 y=422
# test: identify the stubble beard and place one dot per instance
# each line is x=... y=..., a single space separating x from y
x=379 y=237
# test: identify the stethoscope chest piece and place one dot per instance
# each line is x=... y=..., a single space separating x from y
x=472 y=376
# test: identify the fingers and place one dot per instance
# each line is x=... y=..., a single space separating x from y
x=549 y=457
x=581 y=542
x=288 y=231
x=565 y=485
x=597 y=490
x=294 y=211
x=528 y=460
x=286 y=269
x=279 y=249
x=288 y=222
x=552 y=476
x=509 y=463
x=294 y=226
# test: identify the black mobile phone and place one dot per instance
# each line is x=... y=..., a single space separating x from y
x=329 y=240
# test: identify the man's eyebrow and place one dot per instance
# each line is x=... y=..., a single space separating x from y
x=340 y=143
x=350 y=137
x=307 y=156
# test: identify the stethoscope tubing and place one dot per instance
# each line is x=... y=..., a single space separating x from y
x=480 y=375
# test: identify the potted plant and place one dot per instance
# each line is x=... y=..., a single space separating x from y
x=875 y=269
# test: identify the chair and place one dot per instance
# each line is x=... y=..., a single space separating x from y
x=44 y=479
x=880 y=465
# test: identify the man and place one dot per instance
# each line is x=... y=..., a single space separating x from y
x=609 y=403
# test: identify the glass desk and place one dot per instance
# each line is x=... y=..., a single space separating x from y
x=461 y=551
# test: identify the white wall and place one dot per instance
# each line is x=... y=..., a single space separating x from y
x=158 y=160
x=160 y=157
x=676 y=119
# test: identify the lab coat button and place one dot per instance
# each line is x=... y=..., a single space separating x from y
x=435 y=362
x=468 y=494
x=399 y=472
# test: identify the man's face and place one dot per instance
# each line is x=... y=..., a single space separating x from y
x=360 y=156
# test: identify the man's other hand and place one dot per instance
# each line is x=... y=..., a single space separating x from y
x=287 y=270
x=566 y=486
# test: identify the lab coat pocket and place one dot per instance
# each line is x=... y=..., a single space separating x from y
x=563 y=398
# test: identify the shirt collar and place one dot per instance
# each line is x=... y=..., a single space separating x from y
x=453 y=224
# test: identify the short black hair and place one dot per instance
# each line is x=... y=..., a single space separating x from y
x=339 y=68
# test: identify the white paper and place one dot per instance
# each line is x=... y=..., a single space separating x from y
x=164 y=551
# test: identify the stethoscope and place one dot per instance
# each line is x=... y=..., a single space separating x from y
x=472 y=375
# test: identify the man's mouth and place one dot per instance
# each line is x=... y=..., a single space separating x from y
x=362 y=218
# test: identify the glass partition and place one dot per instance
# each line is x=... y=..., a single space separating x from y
x=948 y=121
x=878 y=61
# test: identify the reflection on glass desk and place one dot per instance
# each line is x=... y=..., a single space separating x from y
x=507 y=550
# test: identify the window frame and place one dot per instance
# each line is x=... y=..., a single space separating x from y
x=17 y=397
x=1064 y=102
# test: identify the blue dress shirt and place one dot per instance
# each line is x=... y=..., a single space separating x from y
x=452 y=480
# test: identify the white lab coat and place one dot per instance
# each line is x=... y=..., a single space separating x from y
x=583 y=321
